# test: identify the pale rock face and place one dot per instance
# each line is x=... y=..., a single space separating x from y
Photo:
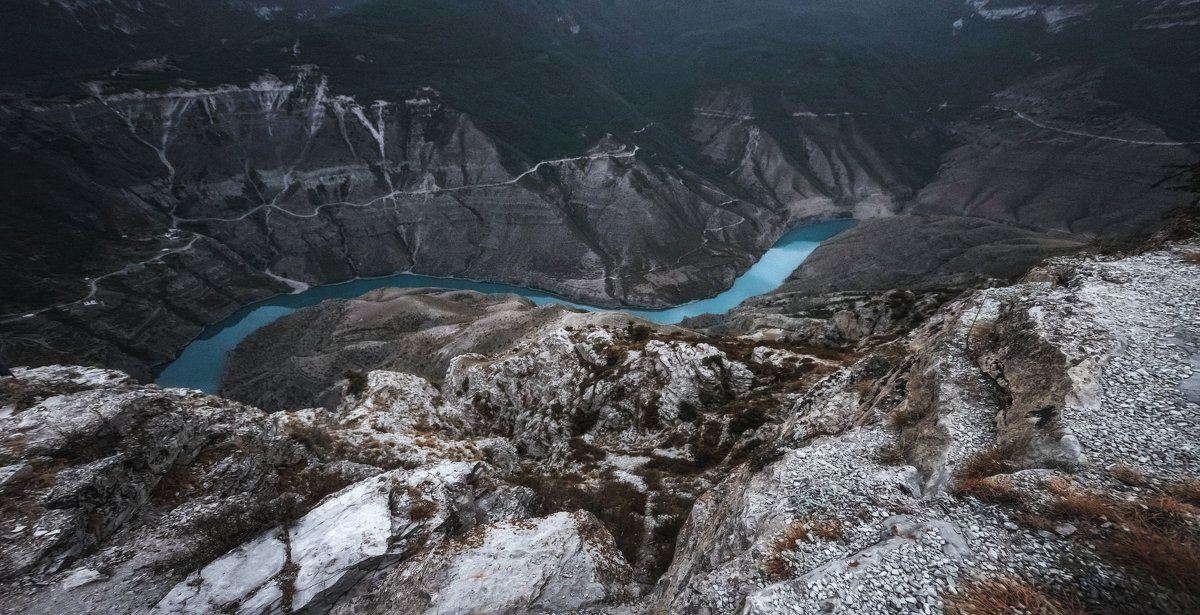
x=842 y=174
x=396 y=402
x=367 y=526
x=540 y=386
x=564 y=562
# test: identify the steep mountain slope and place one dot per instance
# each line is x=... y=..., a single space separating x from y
x=618 y=153
x=292 y=185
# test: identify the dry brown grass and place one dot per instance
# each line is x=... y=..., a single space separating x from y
x=422 y=510
x=1084 y=505
x=1129 y=476
x=1037 y=522
x=1192 y=257
x=1003 y=596
x=776 y=566
x=987 y=462
x=1152 y=537
x=1165 y=511
x=1168 y=559
x=975 y=477
x=1187 y=490
x=830 y=530
x=989 y=490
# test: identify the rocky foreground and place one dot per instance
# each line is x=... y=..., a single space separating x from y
x=1031 y=446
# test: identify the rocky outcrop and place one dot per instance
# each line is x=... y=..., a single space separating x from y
x=562 y=563
x=833 y=319
x=1013 y=407
x=313 y=561
x=596 y=404
x=1037 y=437
x=131 y=497
x=917 y=252
x=413 y=331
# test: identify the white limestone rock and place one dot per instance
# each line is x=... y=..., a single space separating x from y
x=555 y=564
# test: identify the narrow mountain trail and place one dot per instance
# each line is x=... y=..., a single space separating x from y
x=93 y=283
x=1089 y=135
x=422 y=192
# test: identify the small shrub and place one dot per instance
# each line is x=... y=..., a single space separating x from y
x=314 y=437
x=582 y=421
x=356 y=382
x=422 y=510
x=637 y=333
x=1004 y=595
x=902 y=418
x=688 y=411
x=747 y=421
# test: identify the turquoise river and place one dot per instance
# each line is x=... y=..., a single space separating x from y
x=202 y=363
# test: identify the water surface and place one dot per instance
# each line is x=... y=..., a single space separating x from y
x=202 y=363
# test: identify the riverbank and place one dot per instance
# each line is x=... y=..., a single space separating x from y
x=201 y=365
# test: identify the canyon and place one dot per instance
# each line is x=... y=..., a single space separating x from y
x=147 y=202
x=599 y=307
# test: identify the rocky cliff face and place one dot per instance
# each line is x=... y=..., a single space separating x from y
x=1045 y=167
x=168 y=502
x=846 y=164
x=175 y=207
x=1029 y=445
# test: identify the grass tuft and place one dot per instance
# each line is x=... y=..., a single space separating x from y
x=1152 y=538
x=975 y=477
x=1129 y=476
x=1187 y=490
x=1003 y=595
x=776 y=566
x=1164 y=557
